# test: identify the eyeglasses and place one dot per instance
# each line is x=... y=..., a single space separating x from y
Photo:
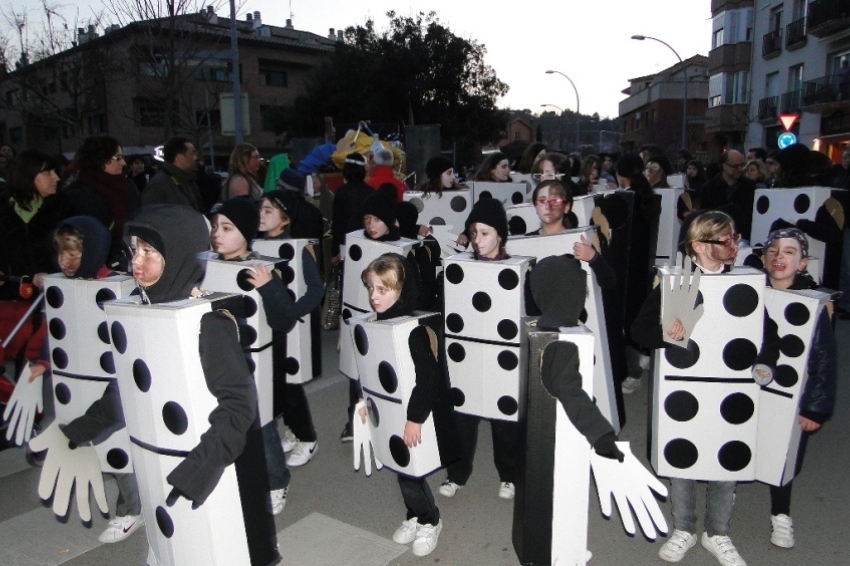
x=118 y=157
x=734 y=166
x=543 y=201
x=730 y=243
x=546 y=177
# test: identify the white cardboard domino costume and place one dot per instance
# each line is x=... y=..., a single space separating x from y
x=81 y=356
x=449 y=210
x=669 y=224
x=484 y=305
x=387 y=376
x=558 y=244
x=522 y=219
x=506 y=193
x=231 y=277
x=360 y=251
x=299 y=340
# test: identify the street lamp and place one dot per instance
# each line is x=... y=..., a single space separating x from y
x=561 y=110
x=578 y=113
x=685 y=97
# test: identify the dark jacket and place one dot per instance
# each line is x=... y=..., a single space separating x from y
x=736 y=200
x=348 y=211
x=172 y=185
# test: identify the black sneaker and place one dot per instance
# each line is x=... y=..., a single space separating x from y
x=347 y=433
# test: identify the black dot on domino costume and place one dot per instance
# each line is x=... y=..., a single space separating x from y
x=802 y=203
x=174 y=418
x=249 y=306
x=400 y=452
x=55 y=297
x=286 y=251
x=454 y=274
x=292 y=366
x=417 y=202
x=458 y=204
x=734 y=456
x=117 y=458
x=516 y=226
x=437 y=221
x=481 y=301
x=792 y=346
x=785 y=376
x=103 y=332
x=737 y=408
x=60 y=358
x=247 y=335
x=458 y=397
x=57 y=328
x=583 y=316
x=107 y=363
x=164 y=522
x=507 y=405
x=242 y=280
x=119 y=337
x=763 y=204
x=355 y=252
x=739 y=354
x=454 y=322
x=63 y=393
x=681 y=406
x=387 y=377
x=104 y=295
x=372 y=410
x=797 y=314
x=508 y=279
x=682 y=358
x=508 y=361
x=346 y=314
x=517 y=197
x=507 y=329
x=681 y=453
x=287 y=274
x=361 y=340
x=457 y=353
x=740 y=300
x=142 y=376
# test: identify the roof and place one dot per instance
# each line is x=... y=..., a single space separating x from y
x=699 y=60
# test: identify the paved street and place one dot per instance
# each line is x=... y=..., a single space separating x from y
x=335 y=516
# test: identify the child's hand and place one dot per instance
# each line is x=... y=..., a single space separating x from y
x=462 y=240
x=260 y=275
x=424 y=230
x=677 y=331
x=583 y=250
x=36 y=371
x=412 y=434
x=38 y=280
x=806 y=425
x=363 y=412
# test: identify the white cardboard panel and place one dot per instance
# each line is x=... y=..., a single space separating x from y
x=449 y=210
x=506 y=193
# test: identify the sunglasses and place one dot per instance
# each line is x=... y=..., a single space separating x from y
x=555 y=201
x=542 y=177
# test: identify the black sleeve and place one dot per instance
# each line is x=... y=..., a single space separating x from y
x=424 y=393
x=531 y=308
x=769 y=352
x=339 y=224
x=229 y=380
x=100 y=420
x=606 y=277
x=427 y=275
x=315 y=287
x=278 y=305
x=818 y=400
x=646 y=328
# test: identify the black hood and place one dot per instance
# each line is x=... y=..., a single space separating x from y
x=410 y=291
x=180 y=234
x=559 y=288
x=96 y=244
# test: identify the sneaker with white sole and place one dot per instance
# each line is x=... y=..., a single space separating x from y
x=426 y=539
x=406 y=533
x=507 y=490
x=347 y=433
x=288 y=441
x=449 y=488
x=722 y=548
x=278 y=497
x=782 y=531
x=302 y=453
x=679 y=543
x=120 y=528
x=630 y=385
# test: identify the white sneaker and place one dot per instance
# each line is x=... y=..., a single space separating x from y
x=630 y=385
x=120 y=528
x=507 y=490
x=449 y=488
x=406 y=533
x=782 y=531
x=679 y=543
x=302 y=453
x=278 y=497
x=288 y=441
x=426 y=539
x=722 y=548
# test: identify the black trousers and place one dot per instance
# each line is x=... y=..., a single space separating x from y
x=780 y=497
x=419 y=500
x=505 y=446
x=296 y=413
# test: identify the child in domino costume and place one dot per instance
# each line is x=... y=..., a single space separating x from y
x=440 y=201
x=407 y=407
x=190 y=402
x=703 y=417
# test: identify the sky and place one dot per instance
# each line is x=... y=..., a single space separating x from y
x=587 y=40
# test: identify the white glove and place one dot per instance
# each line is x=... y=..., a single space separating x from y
x=680 y=300
x=630 y=483
x=363 y=439
x=26 y=402
x=63 y=467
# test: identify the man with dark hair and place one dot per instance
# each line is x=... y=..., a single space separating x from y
x=757 y=153
x=174 y=182
x=731 y=192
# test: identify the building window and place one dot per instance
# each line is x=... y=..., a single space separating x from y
x=13 y=98
x=157 y=67
x=16 y=134
x=97 y=124
x=776 y=19
x=715 y=90
x=149 y=112
x=214 y=71
x=271 y=77
x=795 y=77
x=717 y=38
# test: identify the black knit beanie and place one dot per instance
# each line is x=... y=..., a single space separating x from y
x=436 y=166
x=243 y=213
x=489 y=211
x=630 y=165
x=381 y=205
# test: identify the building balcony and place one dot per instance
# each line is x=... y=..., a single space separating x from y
x=791 y=102
x=826 y=94
x=771 y=44
x=795 y=34
x=837 y=123
x=828 y=17
x=768 y=108
x=727 y=118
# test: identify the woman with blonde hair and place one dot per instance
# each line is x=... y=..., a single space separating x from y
x=242 y=173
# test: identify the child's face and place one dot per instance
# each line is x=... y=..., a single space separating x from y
x=148 y=264
x=374 y=226
x=550 y=206
x=485 y=240
x=226 y=239
x=272 y=219
x=69 y=261
x=381 y=297
x=783 y=259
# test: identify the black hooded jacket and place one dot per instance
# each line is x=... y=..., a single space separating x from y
x=96 y=244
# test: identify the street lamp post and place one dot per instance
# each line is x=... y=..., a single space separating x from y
x=685 y=96
x=560 y=121
x=578 y=113
x=234 y=63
